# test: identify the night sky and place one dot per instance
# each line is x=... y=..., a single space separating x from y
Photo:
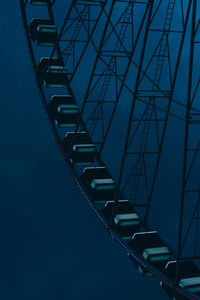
x=52 y=245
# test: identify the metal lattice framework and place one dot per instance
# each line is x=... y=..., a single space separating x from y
x=132 y=68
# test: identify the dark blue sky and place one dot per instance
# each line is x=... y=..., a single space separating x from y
x=52 y=245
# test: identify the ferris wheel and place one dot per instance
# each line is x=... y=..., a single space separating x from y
x=117 y=79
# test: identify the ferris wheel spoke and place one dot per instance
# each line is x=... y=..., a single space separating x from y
x=78 y=21
x=118 y=95
x=156 y=9
x=150 y=7
x=187 y=167
x=119 y=20
x=52 y=3
x=167 y=115
x=89 y=40
x=191 y=165
x=85 y=47
x=108 y=72
x=192 y=219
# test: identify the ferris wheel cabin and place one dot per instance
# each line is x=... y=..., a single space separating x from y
x=152 y=248
x=43 y=32
x=64 y=111
x=99 y=184
x=189 y=277
x=52 y=73
x=126 y=221
x=79 y=148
